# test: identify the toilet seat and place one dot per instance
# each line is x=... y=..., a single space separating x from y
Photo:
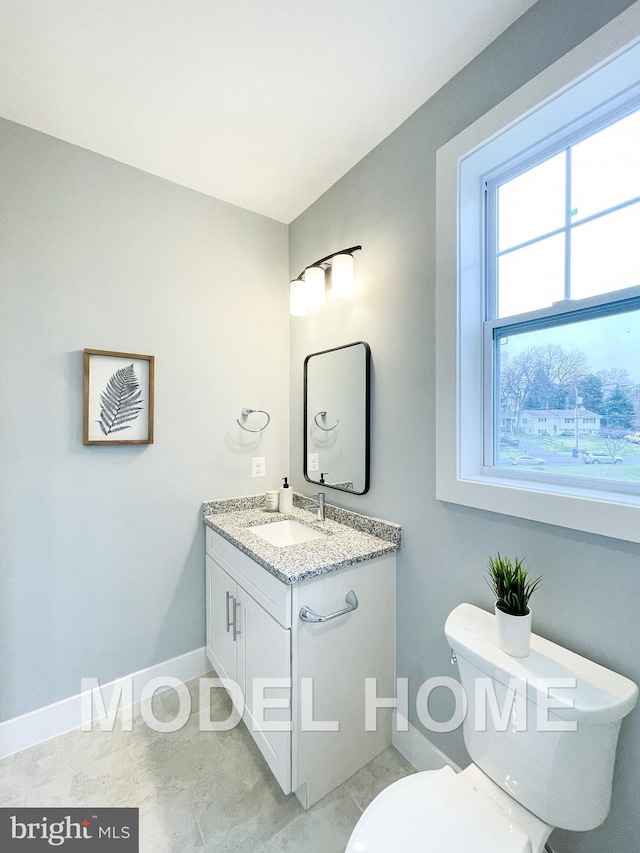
x=435 y=811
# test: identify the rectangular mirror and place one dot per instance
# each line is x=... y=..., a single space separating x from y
x=336 y=417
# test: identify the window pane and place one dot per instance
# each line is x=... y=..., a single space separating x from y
x=570 y=399
x=605 y=253
x=532 y=277
x=605 y=168
x=532 y=204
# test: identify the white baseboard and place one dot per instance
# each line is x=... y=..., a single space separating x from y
x=416 y=748
x=44 y=723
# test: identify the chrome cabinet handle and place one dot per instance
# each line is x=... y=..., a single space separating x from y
x=309 y=615
x=229 y=621
x=236 y=630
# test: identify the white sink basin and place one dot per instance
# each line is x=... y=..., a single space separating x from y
x=286 y=532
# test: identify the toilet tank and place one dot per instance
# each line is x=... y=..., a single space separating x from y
x=557 y=761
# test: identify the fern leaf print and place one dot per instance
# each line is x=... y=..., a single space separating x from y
x=120 y=401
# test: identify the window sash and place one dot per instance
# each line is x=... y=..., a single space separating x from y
x=559 y=313
x=582 y=129
x=601 y=306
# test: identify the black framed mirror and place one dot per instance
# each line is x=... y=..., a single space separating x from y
x=337 y=417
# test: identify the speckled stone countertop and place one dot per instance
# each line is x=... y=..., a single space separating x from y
x=350 y=537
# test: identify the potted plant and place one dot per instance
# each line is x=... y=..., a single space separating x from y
x=512 y=589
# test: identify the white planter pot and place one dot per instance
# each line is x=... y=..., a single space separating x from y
x=514 y=633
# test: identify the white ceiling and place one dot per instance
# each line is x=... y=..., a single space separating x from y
x=262 y=103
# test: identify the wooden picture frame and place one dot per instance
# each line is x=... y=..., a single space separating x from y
x=118 y=398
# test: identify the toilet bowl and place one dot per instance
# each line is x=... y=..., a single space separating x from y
x=529 y=773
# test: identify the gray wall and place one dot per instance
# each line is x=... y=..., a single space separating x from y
x=102 y=548
x=591 y=596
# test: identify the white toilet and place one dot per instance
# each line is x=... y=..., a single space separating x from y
x=524 y=780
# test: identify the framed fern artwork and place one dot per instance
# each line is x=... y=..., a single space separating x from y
x=118 y=398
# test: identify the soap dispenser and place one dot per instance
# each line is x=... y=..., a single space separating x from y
x=285 y=504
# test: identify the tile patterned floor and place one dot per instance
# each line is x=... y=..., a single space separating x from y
x=208 y=792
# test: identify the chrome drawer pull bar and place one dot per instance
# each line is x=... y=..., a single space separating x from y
x=236 y=630
x=229 y=621
x=309 y=615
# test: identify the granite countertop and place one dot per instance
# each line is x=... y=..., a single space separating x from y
x=350 y=537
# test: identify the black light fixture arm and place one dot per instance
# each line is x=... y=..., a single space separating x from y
x=328 y=258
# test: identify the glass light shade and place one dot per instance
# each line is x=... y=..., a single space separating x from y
x=314 y=281
x=342 y=282
x=298 y=298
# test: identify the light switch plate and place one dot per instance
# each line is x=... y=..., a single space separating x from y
x=313 y=462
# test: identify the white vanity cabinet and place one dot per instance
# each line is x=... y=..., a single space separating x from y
x=316 y=738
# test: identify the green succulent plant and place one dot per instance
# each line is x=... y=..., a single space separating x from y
x=510 y=584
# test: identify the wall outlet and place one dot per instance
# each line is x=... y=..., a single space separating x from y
x=258 y=467
x=313 y=462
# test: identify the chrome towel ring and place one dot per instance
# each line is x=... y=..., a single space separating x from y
x=323 y=414
x=246 y=413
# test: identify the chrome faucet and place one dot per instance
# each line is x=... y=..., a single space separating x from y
x=317 y=502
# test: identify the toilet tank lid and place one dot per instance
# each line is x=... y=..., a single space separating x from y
x=600 y=695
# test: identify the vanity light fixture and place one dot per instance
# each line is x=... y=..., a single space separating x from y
x=307 y=291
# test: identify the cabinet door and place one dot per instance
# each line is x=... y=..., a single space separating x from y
x=267 y=655
x=222 y=646
x=339 y=655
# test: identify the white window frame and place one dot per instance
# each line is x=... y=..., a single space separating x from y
x=591 y=79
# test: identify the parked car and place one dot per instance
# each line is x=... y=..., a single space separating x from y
x=525 y=459
x=602 y=458
x=509 y=440
x=634 y=437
